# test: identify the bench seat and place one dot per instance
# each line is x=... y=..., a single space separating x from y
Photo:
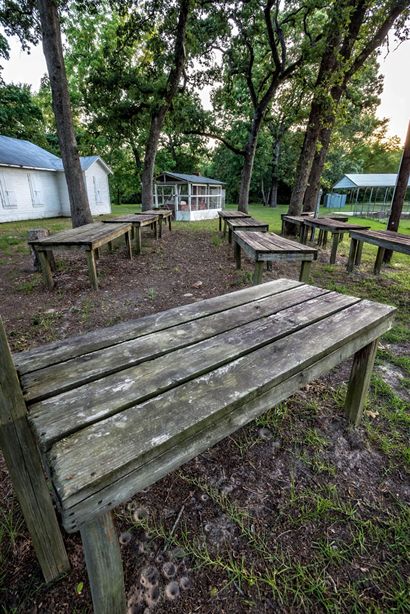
x=113 y=411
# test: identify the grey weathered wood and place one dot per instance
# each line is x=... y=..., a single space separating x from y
x=237 y=251
x=138 y=239
x=128 y=244
x=92 y=269
x=305 y=270
x=56 y=352
x=40 y=233
x=245 y=223
x=379 y=260
x=104 y=566
x=199 y=402
x=26 y=471
x=359 y=250
x=335 y=245
x=352 y=255
x=45 y=268
x=258 y=272
x=362 y=367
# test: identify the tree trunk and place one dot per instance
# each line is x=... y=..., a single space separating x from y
x=399 y=192
x=53 y=52
x=248 y=161
x=273 y=194
x=147 y=178
x=312 y=190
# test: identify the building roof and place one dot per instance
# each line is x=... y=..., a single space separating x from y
x=370 y=180
x=23 y=154
x=193 y=178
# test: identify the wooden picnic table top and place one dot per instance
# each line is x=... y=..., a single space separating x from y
x=246 y=222
x=157 y=212
x=299 y=219
x=90 y=235
x=381 y=237
x=137 y=219
x=232 y=214
x=332 y=225
x=268 y=242
x=117 y=408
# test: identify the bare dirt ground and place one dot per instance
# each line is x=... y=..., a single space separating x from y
x=294 y=513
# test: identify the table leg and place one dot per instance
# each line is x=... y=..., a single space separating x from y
x=110 y=246
x=220 y=223
x=324 y=238
x=359 y=251
x=237 y=254
x=257 y=274
x=128 y=243
x=169 y=222
x=303 y=232
x=225 y=227
x=92 y=269
x=104 y=565
x=230 y=235
x=155 y=230
x=138 y=240
x=305 y=270
x=282 y=231
x=160 y=228
x=335 y=244
x=320 y=238
x=45 y=269
x=362 y=367
x=352 y=255
x=379 y=260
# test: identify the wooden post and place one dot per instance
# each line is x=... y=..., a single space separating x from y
x=320 y=237
x=92 y=269
x=110 y=246
x=159 y=221
x=225 y=226
x=169 y=222
x=324 y=240
x=104 y=566
x=305 y=271
x=257 y=274
x=155 y=229
x=237 y=253
x=379 y=260
x=362 y=367
x=359 y=250
x=230 y=234
x=352 y=255
x=37 y=234
x=138 y=240
x=45 y=269
x=220 y=223
x=335 y=244
x=26 y=472
x=128 y=244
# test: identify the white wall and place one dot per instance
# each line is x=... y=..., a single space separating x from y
x=98 y=189
x=22 y=198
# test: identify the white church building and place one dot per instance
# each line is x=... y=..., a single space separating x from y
x=33 y=184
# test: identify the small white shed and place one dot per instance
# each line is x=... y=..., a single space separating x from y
x=33 y=185
x=190 y=197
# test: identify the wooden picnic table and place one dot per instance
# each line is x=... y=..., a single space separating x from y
x=246 y=224
x=384 y=239
x=336 y=228
x=108 y=413
x=226 y=214
x=162 y=214
x=138 y=221
x=267 y=247
x=89 y=238
x=298 y=220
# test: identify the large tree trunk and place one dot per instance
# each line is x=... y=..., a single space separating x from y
x=312 y=190
x=248 y=161
x=147 y=178
x=273 y=194
x=53 y=51
x=400 y=191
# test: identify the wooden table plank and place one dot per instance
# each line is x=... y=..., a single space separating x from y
x=85 y=463
x=384 y=239
x=59 y=351
x=89 y=367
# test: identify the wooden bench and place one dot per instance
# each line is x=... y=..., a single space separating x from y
x=267 y=247
x=109 y=413
x=298 y=220
x=137 y=221
x=229 y=215
x=245 y=224
x=384 y=239
x=336 y=228
x=161 y=214
x=89 y=238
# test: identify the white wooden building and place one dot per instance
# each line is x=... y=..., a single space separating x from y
x=190 y=197
x=33 y=184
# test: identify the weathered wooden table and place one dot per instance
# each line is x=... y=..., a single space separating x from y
x=245 y=224
x=267 y=247
x=384 y=239
x=227 y=214
x=138 y=221
x=109 y=413
x=161 y=214
x=336 y=228
x=89 y=238
x=298 y=221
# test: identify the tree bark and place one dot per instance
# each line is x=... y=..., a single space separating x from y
x=248 y=161
x=399 y=192
x=313 y=187
x=158 y=116
x=53 y=52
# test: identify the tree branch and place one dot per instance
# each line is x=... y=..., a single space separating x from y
x=212 y=135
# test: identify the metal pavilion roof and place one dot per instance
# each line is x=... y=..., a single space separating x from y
x=23 y=154
x=192 y=178
x=369 y=180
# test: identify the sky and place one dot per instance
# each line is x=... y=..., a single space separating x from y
x=395 y=100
